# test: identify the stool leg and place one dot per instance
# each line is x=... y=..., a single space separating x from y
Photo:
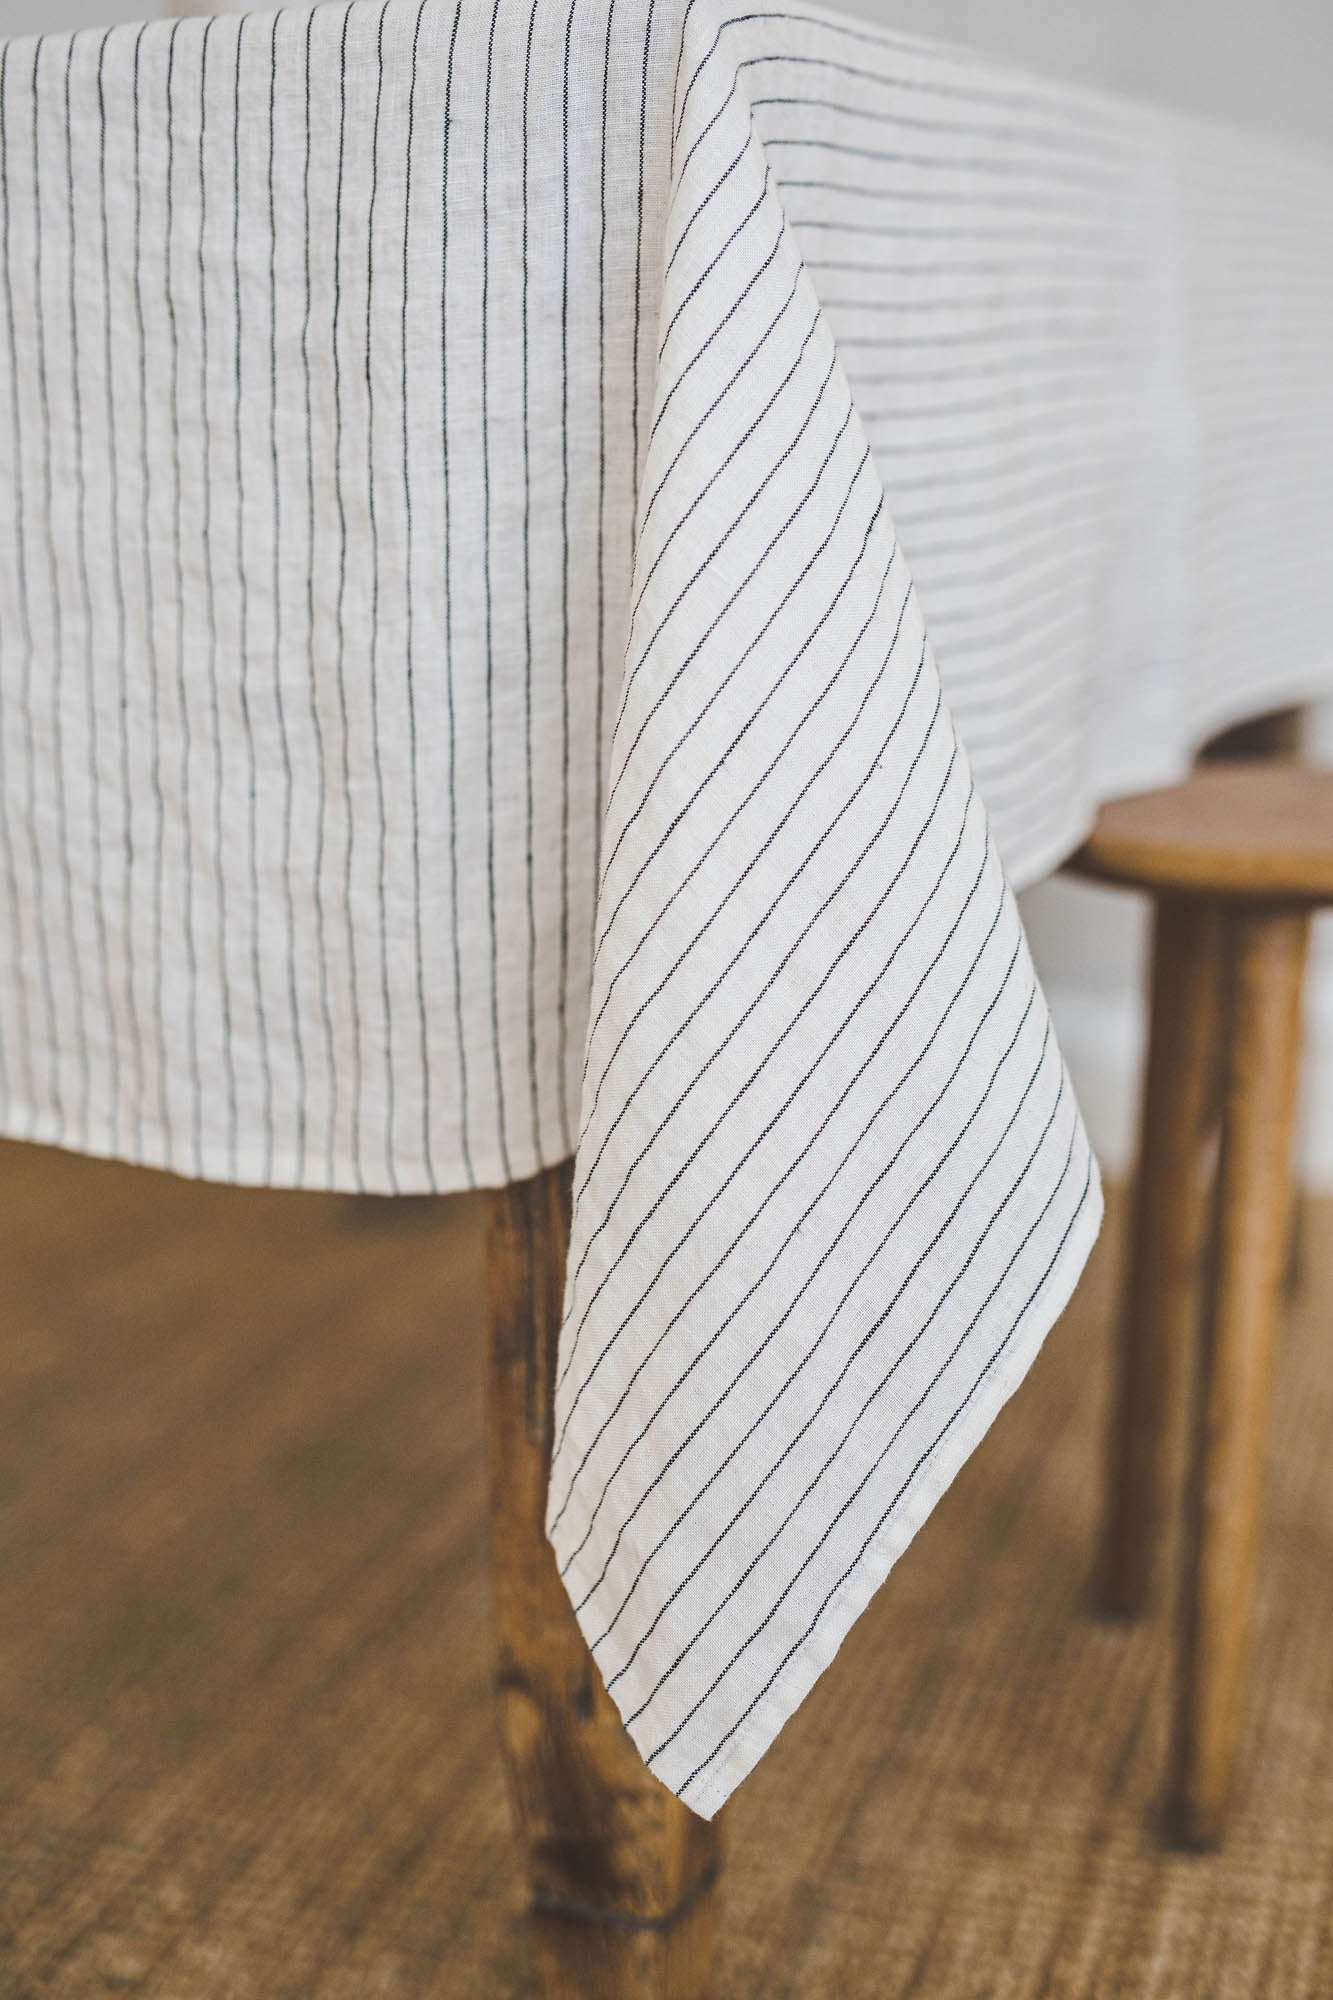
x=623 y=1877
x=1168 y=1231
x=1242 y=1307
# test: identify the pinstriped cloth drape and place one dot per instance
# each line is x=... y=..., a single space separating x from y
x=466 y=477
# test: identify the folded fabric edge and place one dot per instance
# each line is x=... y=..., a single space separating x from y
x=699 y=128
x=810 y=1661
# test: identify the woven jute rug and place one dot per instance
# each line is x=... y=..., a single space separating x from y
x=245 y=1736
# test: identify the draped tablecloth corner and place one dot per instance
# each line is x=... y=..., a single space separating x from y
x=466 y=472
x=832 y=1186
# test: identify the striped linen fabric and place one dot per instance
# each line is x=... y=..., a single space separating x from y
x=473 y=478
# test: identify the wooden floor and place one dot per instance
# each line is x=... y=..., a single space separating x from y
x=245 y=1742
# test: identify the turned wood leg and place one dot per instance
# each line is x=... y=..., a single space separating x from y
x=623 y=1877
x=1167 y=1238
x=1242 y=1306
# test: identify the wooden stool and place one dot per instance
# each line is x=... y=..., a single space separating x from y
x=1236 y=859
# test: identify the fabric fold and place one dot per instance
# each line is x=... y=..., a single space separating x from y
x=832 y=1186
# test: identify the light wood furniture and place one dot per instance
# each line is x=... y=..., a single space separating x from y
x=623 y=1877
x=1236 y=858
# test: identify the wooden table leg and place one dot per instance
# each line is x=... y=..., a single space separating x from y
x=1242 y=1309
x=1167 y=1238
x=623 y=1877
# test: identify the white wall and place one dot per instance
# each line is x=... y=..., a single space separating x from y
x=34 y=17
x=1269 y=66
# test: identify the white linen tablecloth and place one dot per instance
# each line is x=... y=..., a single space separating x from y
x=474 y=481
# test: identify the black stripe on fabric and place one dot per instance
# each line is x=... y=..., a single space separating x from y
x=1021 y=451
x=1005 y=201
x=681 y=374
x=677 y=107
x=1011 y=270
x=150 y=634
x=757 y=711
x=969 y=164
x=1054 y=401
x=93 y=745
x=673 y=680
x=492 y=911
x=638 y=250
x=1071 y=241
x=177 y=599
x=299 y=1106
x=718 y=184
x=1052 y=754
x=1085 y=318
x=562 y=998
x=776 y=466
x=340 y=650
x=57 y=665
x=1083 y=143
x=1020 y=495
x=709 y=197
x=29 y=818
x=316 y=719
x=450 y=662
x=682 y=99
x=529 y=841
x=120 y=624
x=687 y=662
x=372 y=515
x=599 y=748
x=937 y=339
x=409 y=664
x=720 y=257
x=1022 y=691
x=1044 y=612
x=1041 y=546
x=962 y=489
x=208 y=570
x=243 y=594
x=702 y=490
